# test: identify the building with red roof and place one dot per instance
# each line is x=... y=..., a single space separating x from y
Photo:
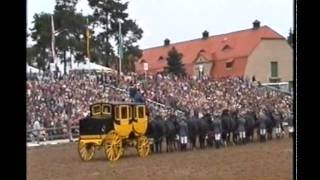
x=258 y=52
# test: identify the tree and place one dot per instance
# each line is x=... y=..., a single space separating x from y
x=174 y=64
x=72 y=34
x=131 y=55
x=40 y=33
x=72 y=26
x=290 y=38
x=108 y=14
x=31 y=55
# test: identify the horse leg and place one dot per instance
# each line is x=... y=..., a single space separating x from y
x=157 y=146
x=202 y=142
x=234 y=138
x=224 y=138
x=160 y=146
x=176 y=144
x=228 y=138
x=168 y=144
x=270 y=133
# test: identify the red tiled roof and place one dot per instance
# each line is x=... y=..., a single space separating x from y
x=240 y=44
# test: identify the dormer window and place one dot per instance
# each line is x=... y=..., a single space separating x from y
x=229 y=64
x=226 y=47
x=202 y=50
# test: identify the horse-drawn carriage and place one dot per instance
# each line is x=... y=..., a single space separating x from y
x=112 y=126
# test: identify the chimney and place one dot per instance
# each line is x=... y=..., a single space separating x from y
x=205 y=34
x=166 y=42
x=256 y=24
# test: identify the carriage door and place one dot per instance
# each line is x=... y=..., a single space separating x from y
x=140 y=122
x=122 y=124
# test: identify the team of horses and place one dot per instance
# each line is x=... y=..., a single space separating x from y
x=229 y=128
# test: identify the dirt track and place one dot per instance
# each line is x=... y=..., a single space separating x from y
x=272 y=160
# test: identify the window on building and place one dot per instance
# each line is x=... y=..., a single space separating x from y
x=274 y=69
x=226 y=47
x=229 y=65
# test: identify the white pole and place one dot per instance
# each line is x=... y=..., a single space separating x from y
x=120 y=47
x=145 y=75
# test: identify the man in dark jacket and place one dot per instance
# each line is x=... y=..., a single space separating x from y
x=138 y=97
x=217 y=126
x=183 y=134
x=132 y=92
x=241 y=126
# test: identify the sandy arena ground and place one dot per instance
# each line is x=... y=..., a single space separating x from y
x=272 y=160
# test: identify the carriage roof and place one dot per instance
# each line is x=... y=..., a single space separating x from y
x=117 y=103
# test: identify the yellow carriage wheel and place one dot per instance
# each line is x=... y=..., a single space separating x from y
x=86 y=150
x=113 y=146
x=143 y=146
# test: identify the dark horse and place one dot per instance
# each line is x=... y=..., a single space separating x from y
x=270 y=123
x=204 y=125
x=171 y=131
x=193 y=130
x=156 y=130
x=228 y=126
x=251 y=123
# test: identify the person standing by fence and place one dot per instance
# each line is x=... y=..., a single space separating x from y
x=36 y=130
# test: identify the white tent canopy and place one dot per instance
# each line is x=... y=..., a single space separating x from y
x=32 y=69
x=90 y=66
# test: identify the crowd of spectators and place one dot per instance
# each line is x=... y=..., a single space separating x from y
x=60 y=101
x=214 y=95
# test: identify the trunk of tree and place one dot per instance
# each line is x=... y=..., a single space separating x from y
x=65 y=62
x=71 y=53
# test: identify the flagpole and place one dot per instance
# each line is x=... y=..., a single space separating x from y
x=88 y=37
x=120 y=47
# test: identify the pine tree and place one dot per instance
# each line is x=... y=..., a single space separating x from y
x=174 y=64
x=40 y=32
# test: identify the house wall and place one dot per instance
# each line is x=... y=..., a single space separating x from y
x=268 y=50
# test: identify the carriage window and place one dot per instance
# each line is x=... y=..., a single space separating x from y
x=134 y=112
x=96 y=110
x=140 y=112
x=124 y=112
x=117 y=112
x=106 y=109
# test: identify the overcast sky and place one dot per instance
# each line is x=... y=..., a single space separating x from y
x=181 y=20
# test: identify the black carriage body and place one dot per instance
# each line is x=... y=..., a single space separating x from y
x=95 y=126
